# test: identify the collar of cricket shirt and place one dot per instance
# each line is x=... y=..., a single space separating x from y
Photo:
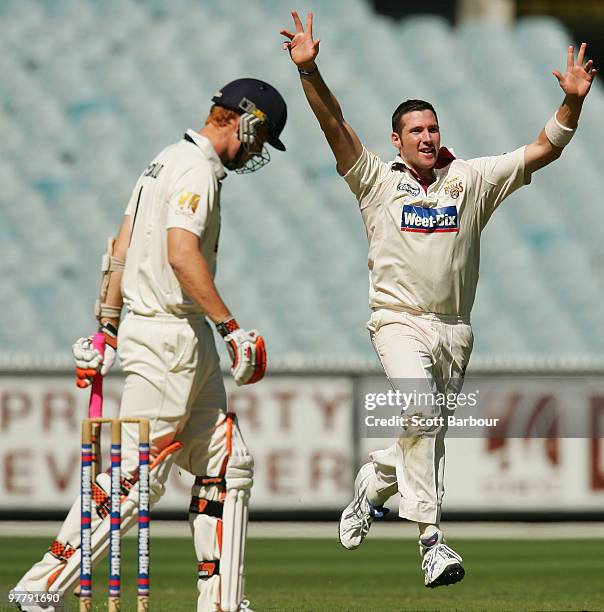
x=443 y=159
x=208 y=150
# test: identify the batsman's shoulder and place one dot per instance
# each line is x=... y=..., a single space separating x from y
x=193 y=175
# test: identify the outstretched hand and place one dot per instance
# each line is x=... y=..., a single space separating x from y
x=579 y=77
x=302 y=48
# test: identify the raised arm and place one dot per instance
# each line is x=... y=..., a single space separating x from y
x=342 y=139
x=558 y=131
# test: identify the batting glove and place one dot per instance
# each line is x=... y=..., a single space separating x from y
x=247 y=352
x=89 y=361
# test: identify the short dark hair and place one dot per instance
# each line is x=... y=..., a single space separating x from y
x=408 y=106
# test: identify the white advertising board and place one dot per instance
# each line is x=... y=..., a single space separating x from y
x=299 y=430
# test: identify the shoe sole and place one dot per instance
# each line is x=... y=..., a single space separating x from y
x=454 y=573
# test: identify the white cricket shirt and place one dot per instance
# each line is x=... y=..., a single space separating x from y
x=424 y=246
x=179 y=188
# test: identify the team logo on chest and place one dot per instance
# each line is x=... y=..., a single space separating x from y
x=429 y=220
x=454 y=187
x=412 y=190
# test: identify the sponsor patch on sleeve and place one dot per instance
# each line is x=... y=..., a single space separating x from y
x=429 y=220
x=188 y=202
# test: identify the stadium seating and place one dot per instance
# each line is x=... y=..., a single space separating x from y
x=92 y=90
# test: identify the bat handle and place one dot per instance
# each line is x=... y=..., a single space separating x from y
x=95 y=408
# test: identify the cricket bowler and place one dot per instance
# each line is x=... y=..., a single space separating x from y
x=424 y=213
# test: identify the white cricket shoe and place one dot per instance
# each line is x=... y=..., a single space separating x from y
x=441 y=564
x=244 y=606
x=357 y=517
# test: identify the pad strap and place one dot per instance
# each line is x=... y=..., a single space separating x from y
x=211 y=481
x=207 y=569
x=128 y=484
x=101 y=498
x=61 y=551
x=199 y=505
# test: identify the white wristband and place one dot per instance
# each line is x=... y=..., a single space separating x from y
x=559 y=135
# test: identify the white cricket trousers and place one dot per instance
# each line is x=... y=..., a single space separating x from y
x=428 y=352
x=173 y=378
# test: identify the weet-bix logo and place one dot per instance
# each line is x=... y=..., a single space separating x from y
x=429 y=220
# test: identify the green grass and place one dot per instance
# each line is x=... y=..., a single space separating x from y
x=383 y=575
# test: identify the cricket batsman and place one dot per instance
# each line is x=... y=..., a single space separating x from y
x=424 y=213
x=161 y=267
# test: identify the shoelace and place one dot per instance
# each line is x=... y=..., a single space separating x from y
x=449 y=552
x=245 y=605
x=365 y=524
x=439 y=550
x=357 y=511
x=356 y=507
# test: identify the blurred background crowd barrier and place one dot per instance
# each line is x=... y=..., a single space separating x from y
x=92 y=90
